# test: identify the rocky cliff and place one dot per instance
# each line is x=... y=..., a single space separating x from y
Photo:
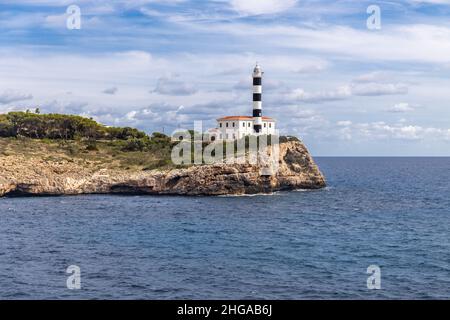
x=20 y=175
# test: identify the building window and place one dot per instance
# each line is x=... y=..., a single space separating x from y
x=243 y=124
x=270 y=125
x=220 y=124
x=227 y=125
x=264 y=124
x=233 y=124
x=234 y=136
x=249 y=124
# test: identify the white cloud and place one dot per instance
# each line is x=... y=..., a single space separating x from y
x=425 y=43
x=312 y=66
x=346 y=91
x=151 y=13
x=319 y=96
x=65 y=106
x=131 y=115
x=378 y=89
x=401 y=108
x=344 y=123
x=111 y=90
x=172 y=85
x=381 y=130
x=375 y=76
x=257 y=7
x=431 y=1
x=56 y=21
x=9 y=96
x=399 y=132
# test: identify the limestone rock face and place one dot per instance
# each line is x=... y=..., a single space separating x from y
x=21 y=176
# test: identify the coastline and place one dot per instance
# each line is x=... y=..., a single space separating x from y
x=34 y=176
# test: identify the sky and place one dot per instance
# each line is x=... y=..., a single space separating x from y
x=343 y=87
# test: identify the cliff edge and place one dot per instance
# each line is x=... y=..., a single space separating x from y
x=35 y=175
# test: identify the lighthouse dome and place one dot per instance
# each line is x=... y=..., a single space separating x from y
x=257 y=72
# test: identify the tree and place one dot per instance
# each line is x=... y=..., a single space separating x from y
x=60 y=126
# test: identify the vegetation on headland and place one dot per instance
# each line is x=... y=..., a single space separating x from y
x=60 y=126
x=58 y=137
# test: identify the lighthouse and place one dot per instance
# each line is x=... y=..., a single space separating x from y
x=237 y=127
x=257 y=99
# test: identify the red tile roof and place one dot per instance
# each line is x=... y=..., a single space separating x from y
x=243 y=118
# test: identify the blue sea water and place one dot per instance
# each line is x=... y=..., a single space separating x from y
x=390 y=212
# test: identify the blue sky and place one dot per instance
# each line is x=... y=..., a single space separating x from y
x=158 y=65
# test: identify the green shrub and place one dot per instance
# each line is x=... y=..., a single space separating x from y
x=91 y=146
x=134 y=145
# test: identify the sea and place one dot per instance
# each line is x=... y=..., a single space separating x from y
x=379 y=230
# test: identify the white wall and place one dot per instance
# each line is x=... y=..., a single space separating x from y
x=268 y=127
x=239 y=130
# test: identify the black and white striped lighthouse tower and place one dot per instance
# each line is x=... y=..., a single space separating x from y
x=257 y=101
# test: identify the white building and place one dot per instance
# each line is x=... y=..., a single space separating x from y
x=237 y=127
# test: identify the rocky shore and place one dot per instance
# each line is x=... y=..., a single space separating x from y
x=22 y=176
